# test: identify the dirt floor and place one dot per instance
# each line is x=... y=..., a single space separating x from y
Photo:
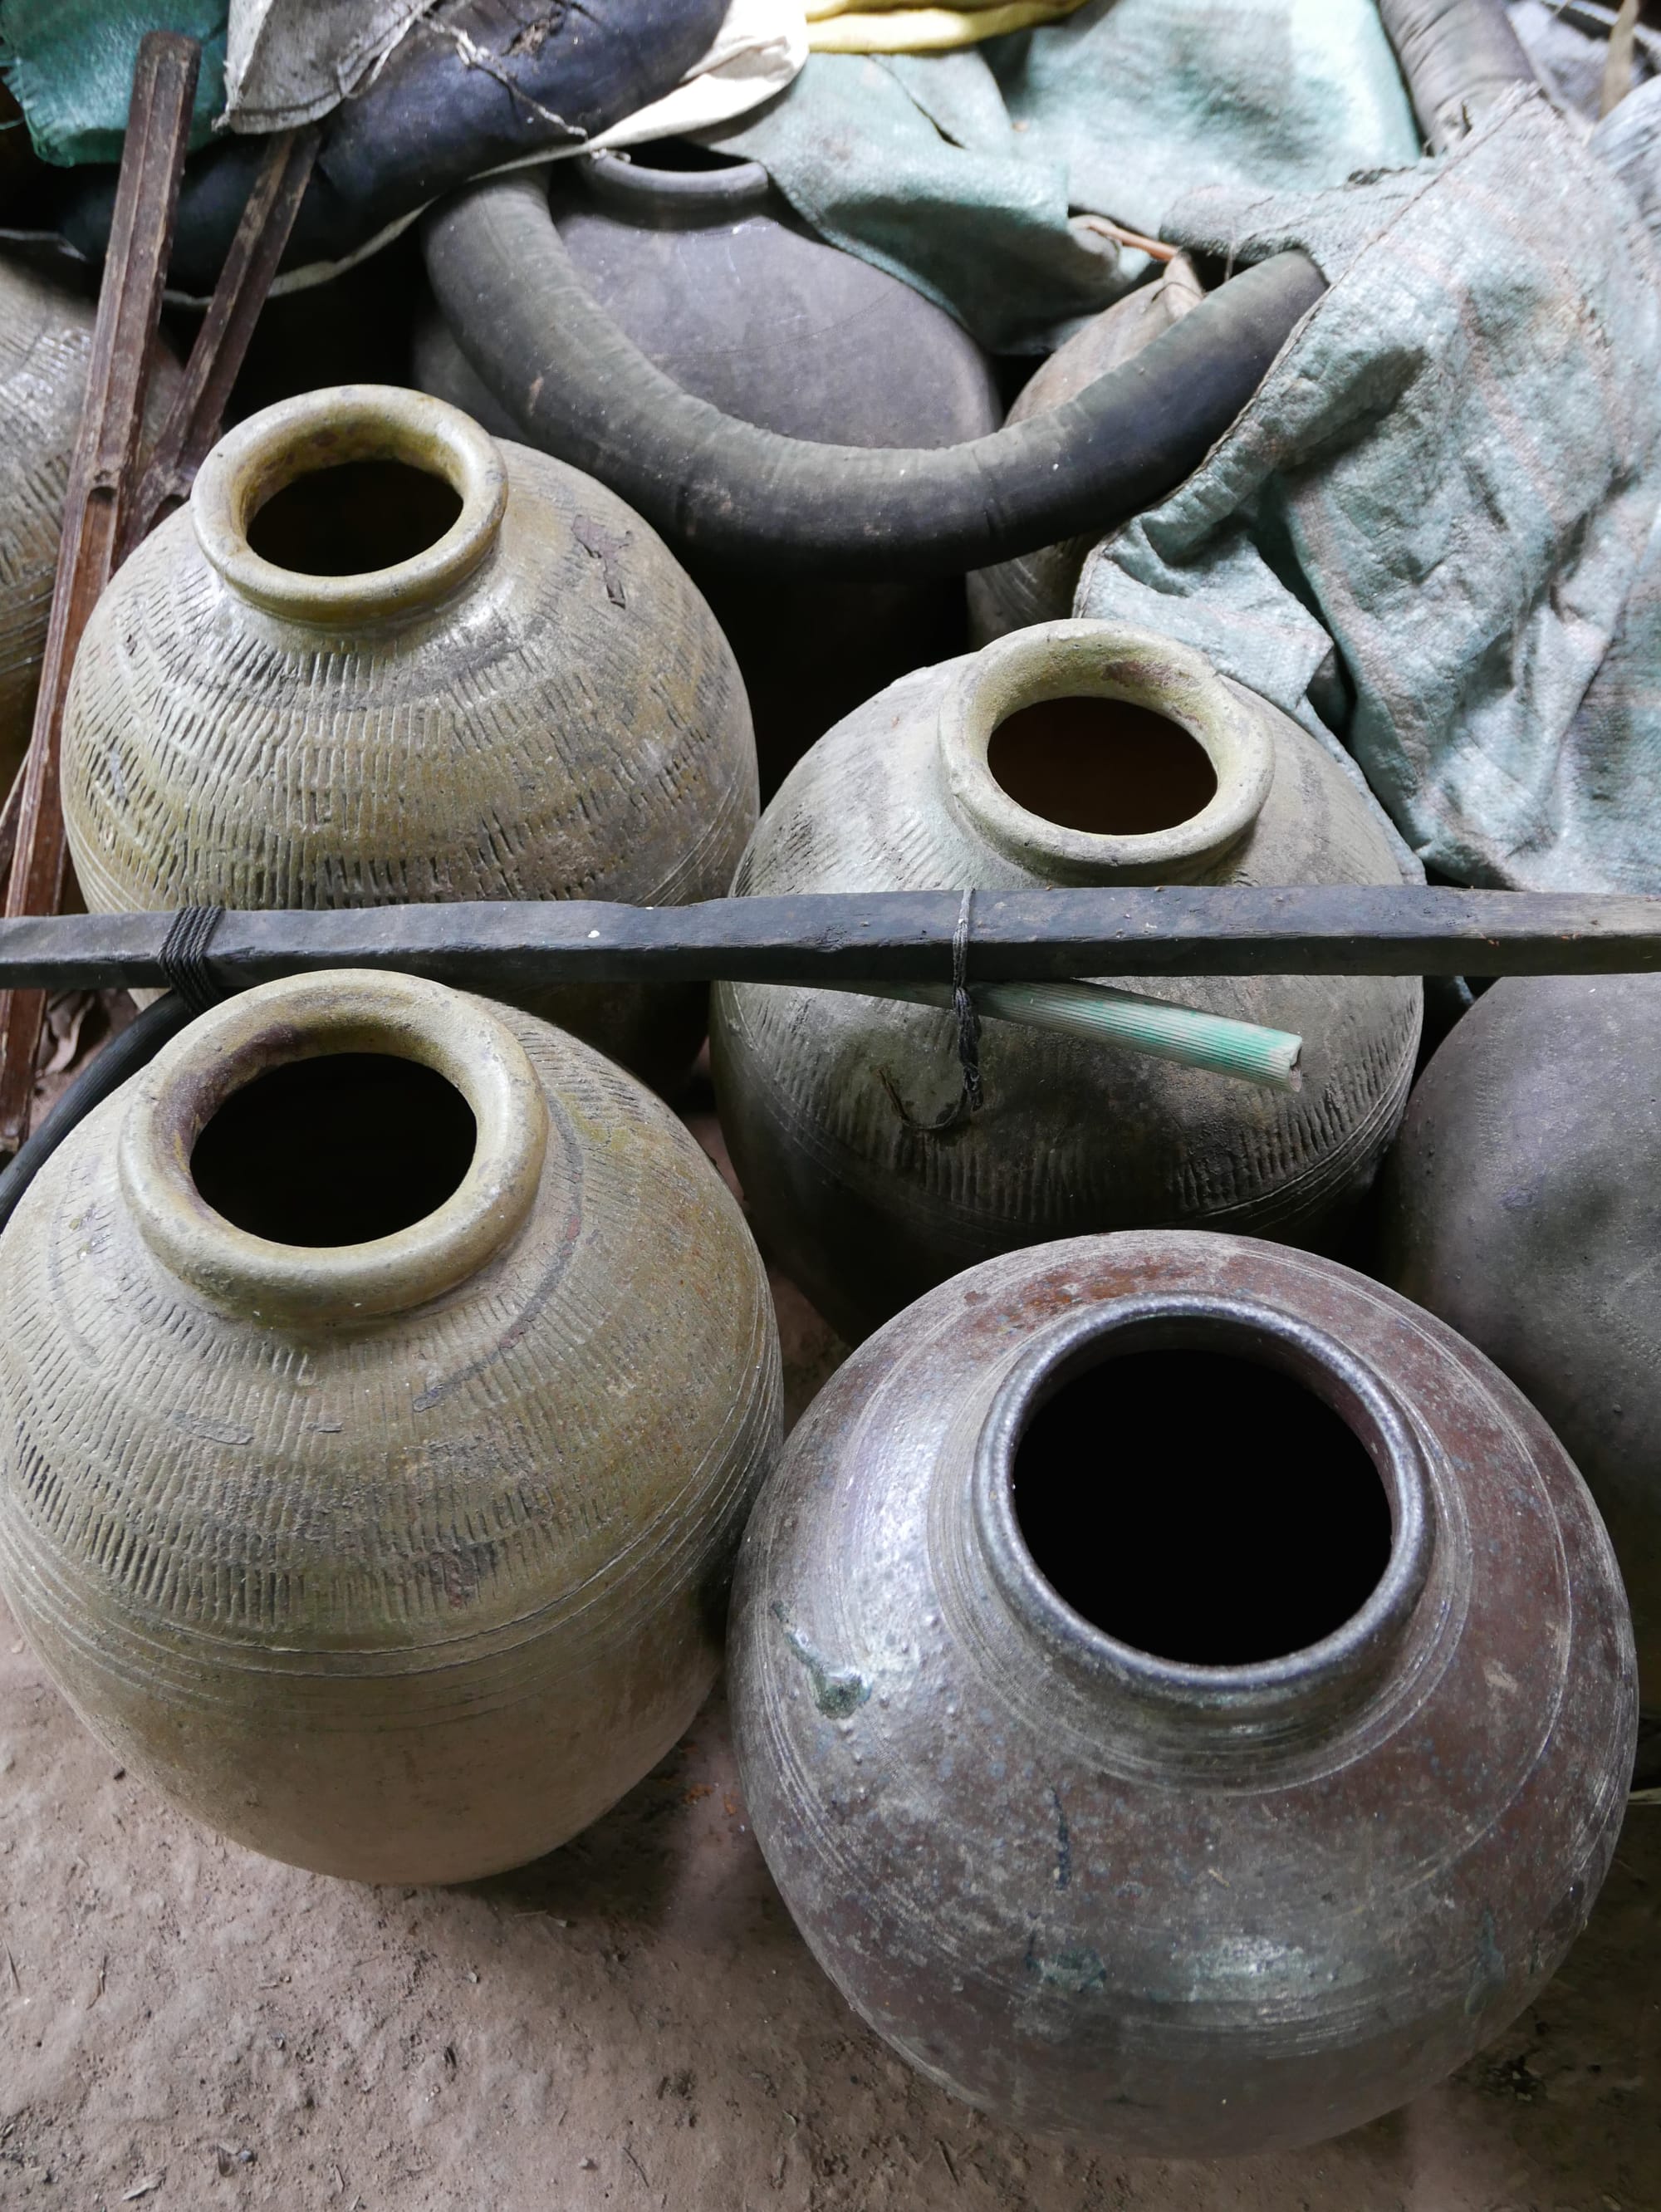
x=634 y=2022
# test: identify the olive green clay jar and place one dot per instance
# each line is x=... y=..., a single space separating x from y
x=381 y=656
x=386 y=1380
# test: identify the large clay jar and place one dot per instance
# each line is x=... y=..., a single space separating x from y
x=1070 y=753
x=1523 y=1204
x=1184 y=1693
x=385 y=1381
x=380 y=657
x=706 y=268
x=1039 y=587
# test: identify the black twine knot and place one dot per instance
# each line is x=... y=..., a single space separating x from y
x=970 y=1097
x=185 y=957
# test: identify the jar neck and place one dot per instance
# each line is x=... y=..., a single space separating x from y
x=307 y=1017
x=1211 y=1716
x=674 y=184
x=1089 y=660
x=325 y=429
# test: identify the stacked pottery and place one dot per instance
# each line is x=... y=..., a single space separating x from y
x=1184 y=1694
x=1523 y=1204
x=382 y=657
x=386 y=1379
x=704 y=266
x=1072 y=753
x=1039 y=587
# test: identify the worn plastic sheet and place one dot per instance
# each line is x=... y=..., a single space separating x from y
x=1434 y=533
x=971 y=174
x=69 y=66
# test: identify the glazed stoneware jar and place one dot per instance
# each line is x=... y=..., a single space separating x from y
x=1184 y=1693
x=381 y=656
x=386 y=1379
x=1523 y=1204
x=1070 y=753
x=706 y=267
x=46 y=341
x=1039 y=587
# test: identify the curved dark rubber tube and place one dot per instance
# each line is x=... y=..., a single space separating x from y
x=720 y=487
x=123 y=1055
x=1458 y=57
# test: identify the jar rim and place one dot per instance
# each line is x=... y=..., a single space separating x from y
x=1103 y=661
x=308 y=1016
x=1318 y=1678
x=322 y=430
x=621 y=173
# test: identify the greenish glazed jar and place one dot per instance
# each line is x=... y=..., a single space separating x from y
x=381 y=656
x=387 y=1381
x=1070 y=753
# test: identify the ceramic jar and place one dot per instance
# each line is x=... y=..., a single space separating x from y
x=1041 y=586
x=46 y=341
x=1523 y=1204
x=1183 y=1692
x=380 y=657
x=1070 y=753
x=386 y=1379
x=707 y=270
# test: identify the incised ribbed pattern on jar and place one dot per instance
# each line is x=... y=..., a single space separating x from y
x=561 y=719
x=822 y=1093
x=1180 y=1910
x=45 y=337
x=416 y=1595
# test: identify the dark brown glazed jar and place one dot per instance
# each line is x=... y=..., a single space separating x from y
x=1184 y=1693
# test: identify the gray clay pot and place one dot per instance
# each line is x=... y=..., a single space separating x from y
x=1523 y=1205
x=830 y=1100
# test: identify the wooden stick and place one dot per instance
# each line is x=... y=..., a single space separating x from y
x=100 y=473
x=882 y=937
x=221 y=343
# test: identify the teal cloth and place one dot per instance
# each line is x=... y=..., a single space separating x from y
x=69 y=67
x=966 y=172
x=1435 y=532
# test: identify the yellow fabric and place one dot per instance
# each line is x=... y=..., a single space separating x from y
x=891 y=26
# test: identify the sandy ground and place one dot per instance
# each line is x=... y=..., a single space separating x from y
x=633 y=2021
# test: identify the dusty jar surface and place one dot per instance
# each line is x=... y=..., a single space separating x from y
x=390 y=1378
x=1069 y=753
x=1184 y=1694
x=1521 y=1205
x=381 y=656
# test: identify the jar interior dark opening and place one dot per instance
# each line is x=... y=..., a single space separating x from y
x=336 y=1151
x=1201 y=1507
x=1107 y=766
x=353 y=518
x=681 y=157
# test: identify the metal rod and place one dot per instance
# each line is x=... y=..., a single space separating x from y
x=101 y=469
x=876 y=937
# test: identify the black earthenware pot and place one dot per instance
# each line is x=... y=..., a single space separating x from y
x=700 y=263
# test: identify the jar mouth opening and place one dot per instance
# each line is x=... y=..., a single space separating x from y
x=341 y=1147
x=1091 y=753
x=334 y=1147
x=677 y=172
x=351 y=504
x=1101 y=764
x=1206 y=1499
